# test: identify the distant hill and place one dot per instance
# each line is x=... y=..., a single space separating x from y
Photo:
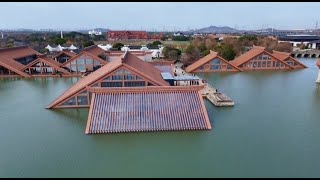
x=216 y=29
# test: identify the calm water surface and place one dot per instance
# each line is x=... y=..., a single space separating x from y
x=272 y=131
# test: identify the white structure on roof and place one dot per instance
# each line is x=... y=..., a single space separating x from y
x=94 y=32
x=105 y=47
x=156 y=52
x=60 y=48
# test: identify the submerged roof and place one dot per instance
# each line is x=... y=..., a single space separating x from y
x=132 y=109
x=7 y=56
x=49 y=61
x=13 y=66
x=255 y=51
x=17 y=52
x=71 y=54
x=285 y=55
x=205 y=60
x=128 y=60
x=94 y=50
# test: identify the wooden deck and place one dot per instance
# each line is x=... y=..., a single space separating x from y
x=216 y=98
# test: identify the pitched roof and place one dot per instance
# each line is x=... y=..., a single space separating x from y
x=256 y=50
x=17 y=52
x=71 y=54
x=86 y=81
x=206 y=59
x=48 y=61
x=285 y=55
x=110 y=100
x=128 y=60
x=13 y=66
x=94 y=50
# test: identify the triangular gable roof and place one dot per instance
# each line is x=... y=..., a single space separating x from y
x=80 y=54
x=71 y=54
x=128 y=60
x=206 y=59
x=13 y=66
x=255 y=51
x=285 y=55
x=17 y=52
x=94 y=49
x=56 y=65
x=145 y=68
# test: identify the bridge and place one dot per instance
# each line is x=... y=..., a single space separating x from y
x=306 y=53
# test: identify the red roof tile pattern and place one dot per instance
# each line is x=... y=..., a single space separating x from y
x=128 y=60
x=147 y=109
x=255 y=51
x=13 y=66
x=285 y=55
x=17 y=52
x=206 y=59
x=7 y=56
x=94 y=50
x=145 y=68
x=127 y=35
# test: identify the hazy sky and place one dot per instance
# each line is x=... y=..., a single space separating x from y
x=158 y=15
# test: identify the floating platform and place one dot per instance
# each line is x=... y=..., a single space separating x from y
x=216 y=98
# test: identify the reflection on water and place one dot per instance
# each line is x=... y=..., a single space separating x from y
x=272 y=131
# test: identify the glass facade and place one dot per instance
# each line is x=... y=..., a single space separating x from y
x=83 y=64
x=82 y=100
x=134 y=83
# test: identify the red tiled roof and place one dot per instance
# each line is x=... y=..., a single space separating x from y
x=17 y=52
x=128 y=34
x=285 y=55
x=159 y=115
x=13 y=66
x=119 y=53
x=205 y=60
x=7 y=56
x=94 y=50
x=256 y=50
x=68 y=53
x=147 y=69
x=128 y=60
x=54 y=64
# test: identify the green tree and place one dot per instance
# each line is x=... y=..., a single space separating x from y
x=228 y=53
x=156 y=43
x=206 y=52
x=87 y=43
x=118 y=46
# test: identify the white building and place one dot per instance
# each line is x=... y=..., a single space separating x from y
x=155 y=52
x=94 y=32
x=105 y=47
x=60 y=48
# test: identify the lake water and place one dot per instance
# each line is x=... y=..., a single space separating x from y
x=272 y=131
